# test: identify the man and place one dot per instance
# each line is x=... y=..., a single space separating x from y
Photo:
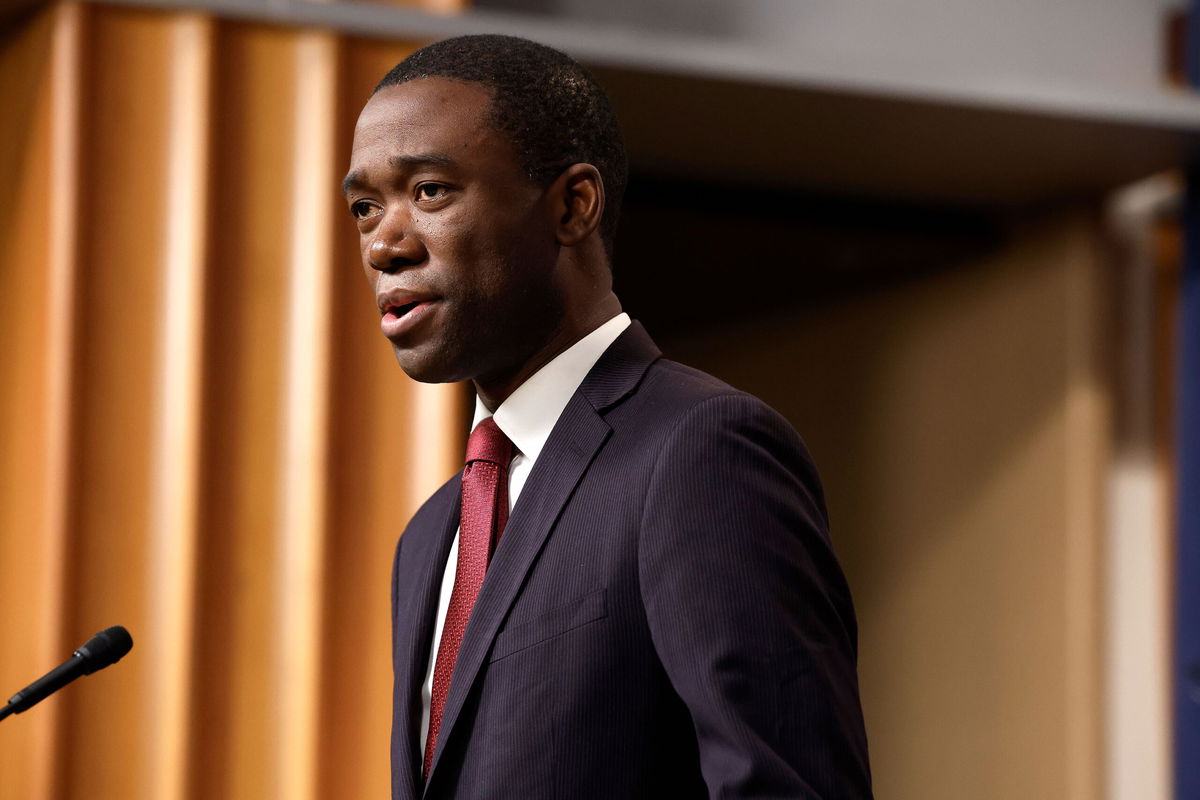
x=629 y=592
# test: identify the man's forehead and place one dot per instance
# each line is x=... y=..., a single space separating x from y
x=426 y=101
x=431 y=115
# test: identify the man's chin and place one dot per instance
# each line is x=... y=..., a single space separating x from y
x=424 y=369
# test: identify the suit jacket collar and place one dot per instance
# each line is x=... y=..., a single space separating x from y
x=528 y=415
x=578 y=435
x=620 y=369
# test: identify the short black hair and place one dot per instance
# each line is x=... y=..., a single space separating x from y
x=552 y=108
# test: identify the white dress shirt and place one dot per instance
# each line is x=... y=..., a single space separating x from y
x=526 y=418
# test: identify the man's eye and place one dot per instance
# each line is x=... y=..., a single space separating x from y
x=362 y=209
x=430 y=191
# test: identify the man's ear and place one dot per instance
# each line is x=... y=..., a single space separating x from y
x=579 y=194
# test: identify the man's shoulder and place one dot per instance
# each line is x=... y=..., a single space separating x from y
x=678 y=402
x=633 y=372
x=689 y=423
x=678 y=390
x=689 y=383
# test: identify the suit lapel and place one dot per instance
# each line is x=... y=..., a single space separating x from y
x=578 y=435
x=555 y=475
x=424 y=551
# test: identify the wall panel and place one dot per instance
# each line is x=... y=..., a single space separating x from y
x=38 y=72
x=172 y=567
x=251 y=205
x=237 y=448
x=123 y=220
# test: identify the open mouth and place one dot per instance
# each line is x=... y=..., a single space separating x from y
x=399 y=311
x=399 y=318
x=402 y=310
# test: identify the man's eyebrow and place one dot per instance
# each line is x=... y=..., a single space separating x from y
x=421 y=160
x=352 y=181
x=358 y=178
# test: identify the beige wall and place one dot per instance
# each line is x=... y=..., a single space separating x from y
x=960 y=425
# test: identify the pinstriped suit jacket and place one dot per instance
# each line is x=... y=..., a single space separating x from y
x=663 y=617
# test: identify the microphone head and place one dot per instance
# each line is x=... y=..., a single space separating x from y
x=105 y=648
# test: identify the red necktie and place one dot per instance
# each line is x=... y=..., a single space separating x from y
x=484 y=512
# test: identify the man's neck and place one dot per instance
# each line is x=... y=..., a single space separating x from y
x=494 y=390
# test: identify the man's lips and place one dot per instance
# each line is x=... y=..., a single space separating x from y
x=401 y=310
x=398 y=298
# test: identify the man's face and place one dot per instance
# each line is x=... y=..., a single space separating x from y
x=457 y=243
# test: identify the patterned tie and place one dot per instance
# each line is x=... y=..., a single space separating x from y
x=484 y=512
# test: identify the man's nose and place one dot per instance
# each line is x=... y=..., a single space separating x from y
x=395 y=245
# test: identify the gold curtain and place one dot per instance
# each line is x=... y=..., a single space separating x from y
x=204 y=437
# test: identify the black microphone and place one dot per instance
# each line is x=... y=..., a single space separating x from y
x=106 y=647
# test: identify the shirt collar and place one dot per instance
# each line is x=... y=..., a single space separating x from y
x=529 y=414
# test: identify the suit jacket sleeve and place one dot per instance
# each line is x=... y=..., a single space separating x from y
x=748 y=608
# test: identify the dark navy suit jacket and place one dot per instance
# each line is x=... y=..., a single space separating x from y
x=663 y=617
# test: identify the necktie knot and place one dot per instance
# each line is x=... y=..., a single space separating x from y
x=488 y=443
